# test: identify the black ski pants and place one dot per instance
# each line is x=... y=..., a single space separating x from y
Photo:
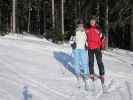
x=97 y=52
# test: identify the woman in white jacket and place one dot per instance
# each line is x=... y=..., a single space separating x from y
x=80 y=55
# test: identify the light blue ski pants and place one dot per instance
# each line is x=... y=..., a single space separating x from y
x=81 y=62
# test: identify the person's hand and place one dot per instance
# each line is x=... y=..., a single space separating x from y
x=86 y=46
x=102 y=46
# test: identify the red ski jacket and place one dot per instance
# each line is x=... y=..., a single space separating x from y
x=94 y=38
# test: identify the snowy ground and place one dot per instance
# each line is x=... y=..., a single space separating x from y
x=36 y=69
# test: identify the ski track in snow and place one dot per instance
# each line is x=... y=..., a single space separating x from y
x=40 y=65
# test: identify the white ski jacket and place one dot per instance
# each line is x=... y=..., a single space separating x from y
x=80 y=38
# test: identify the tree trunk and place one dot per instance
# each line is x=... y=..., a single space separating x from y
x=62 y=17
x=38 y=20
x=14 y=16
x=76 y=11
x=98 y=10
x=29 y=16
x=106 y=25
x=132 y=31
x=53 y=14
x=0 y=20
x=79 y=8
x=44 y=18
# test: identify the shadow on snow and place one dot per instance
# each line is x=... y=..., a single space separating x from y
x=66 y=60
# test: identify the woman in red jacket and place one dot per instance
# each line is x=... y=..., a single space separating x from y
x=94 y=39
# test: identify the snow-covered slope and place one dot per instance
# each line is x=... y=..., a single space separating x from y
x=36 y=69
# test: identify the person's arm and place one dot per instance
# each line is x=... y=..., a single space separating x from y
x=101 y=36
x=102 y=39
x=86 y=43
x=72 y=39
